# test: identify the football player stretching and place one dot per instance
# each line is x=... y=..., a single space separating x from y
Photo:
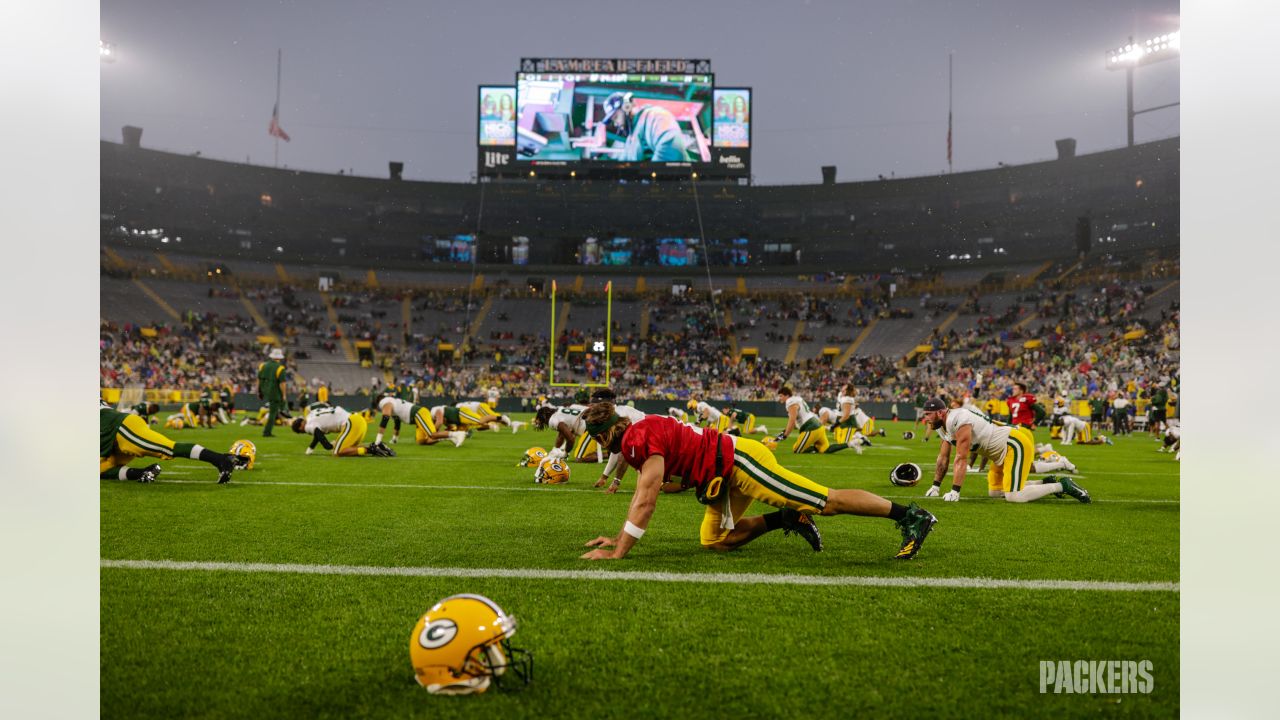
x=728 y=474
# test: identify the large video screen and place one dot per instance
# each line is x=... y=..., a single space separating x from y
x=564 y=118
x=733 y=118
x=497 y=116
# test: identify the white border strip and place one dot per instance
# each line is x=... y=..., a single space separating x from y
x=607 y=575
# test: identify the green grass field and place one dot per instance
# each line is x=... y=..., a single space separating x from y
x=268 y=641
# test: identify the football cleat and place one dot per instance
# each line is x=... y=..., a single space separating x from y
x=457 y=437
x=226 y=464
x=915 y=526
x=551 y=472
x=516 y=425
x=150 y=473
x=802 y=525
x=532 y=457
x=395 y=439
x=1073 y=490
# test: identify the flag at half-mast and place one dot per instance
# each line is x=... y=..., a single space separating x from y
x=274 y=128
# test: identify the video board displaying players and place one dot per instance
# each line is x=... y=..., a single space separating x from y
x=564 y=118
x=733 y=118
x=497 y=116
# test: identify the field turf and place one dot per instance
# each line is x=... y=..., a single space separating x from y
x=226 y=630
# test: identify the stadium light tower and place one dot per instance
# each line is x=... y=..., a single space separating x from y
x=1134 y=54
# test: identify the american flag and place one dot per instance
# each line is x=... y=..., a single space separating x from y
x=275 y=130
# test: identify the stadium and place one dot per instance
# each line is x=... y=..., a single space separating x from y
x=422 y=401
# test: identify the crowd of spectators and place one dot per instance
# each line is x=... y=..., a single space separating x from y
x=1093 y=340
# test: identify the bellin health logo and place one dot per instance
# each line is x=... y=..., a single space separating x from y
x=1096 y=676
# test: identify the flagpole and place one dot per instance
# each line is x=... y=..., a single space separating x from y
x=950 y=71
x=279 y=59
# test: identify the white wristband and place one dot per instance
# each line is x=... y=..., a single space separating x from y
x=632 y=530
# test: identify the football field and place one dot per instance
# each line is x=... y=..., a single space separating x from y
x=292 y=591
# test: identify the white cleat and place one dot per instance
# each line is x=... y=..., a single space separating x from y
x=857 y=447
x=457 y=437
x=762 y=430
x=244 y=422
x=516 y=425
x=395 y=439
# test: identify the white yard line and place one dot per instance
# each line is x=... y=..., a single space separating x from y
x=534 y=488
x=615 y=576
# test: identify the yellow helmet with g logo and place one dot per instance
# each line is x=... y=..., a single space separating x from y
x=532 y=457
x=552 y=472
x=692 y=404
x=462 y=645
x=247 y=449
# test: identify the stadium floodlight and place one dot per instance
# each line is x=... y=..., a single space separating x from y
x=106 y=51
x=1155 y=49
x=1132 y=55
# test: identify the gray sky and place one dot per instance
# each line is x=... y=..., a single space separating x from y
x=859 y=85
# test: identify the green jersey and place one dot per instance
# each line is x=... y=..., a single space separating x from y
x=451 y=415
x=206 y=397
x=141 y=409
x=109 y=422
x=1098 y=406
x=271 y=375
x=224 y=396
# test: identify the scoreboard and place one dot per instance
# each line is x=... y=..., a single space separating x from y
x=610 y=118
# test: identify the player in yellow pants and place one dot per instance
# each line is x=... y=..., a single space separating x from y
x=729 y=473
x=350 y=427
x=1010 y=449
x=125 y=437
x=586 y=450
x=813 y=434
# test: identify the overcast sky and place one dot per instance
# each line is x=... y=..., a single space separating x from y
x=859 y=85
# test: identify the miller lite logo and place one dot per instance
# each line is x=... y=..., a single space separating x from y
x=495 y=159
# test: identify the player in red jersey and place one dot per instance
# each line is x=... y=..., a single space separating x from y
x=728 y=473
x=1021 y=410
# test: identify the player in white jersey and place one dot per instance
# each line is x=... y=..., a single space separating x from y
x=1172 y=438
x=813 y=434
x=351 y=429
x=847 y=405
x=709 y=416
x=571 y=433
x=1070 y=426
x=1049 y=460
x=482 y=416
x=1011 y=450
x=425 y=432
